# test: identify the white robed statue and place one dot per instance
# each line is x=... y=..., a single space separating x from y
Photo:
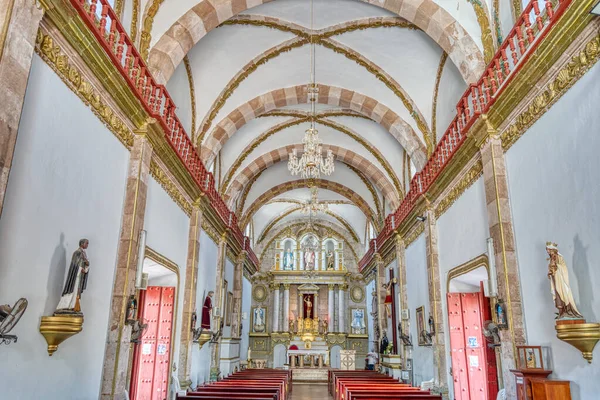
x=559 y=284
x=358 y=321
x=76 y=280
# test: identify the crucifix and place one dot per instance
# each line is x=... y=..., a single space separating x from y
x=392 y=287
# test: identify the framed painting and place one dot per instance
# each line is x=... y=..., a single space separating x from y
x=229 y=310
x=420 y=317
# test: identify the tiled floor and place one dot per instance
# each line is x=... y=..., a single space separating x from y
x=310 y=391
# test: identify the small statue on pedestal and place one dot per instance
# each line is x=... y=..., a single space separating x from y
x=206 y=311
x=559 y=284
x=76 y=281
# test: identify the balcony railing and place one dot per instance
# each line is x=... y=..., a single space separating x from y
x=103 y=22
x=533 y=24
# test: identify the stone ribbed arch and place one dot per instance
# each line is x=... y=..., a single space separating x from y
x=370 y=170
x=330 y=95
x=177 y=41
x=277 y=190
x=276 y=129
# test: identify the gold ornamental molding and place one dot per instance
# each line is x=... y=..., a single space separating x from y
x=487 y=39
x=414 y=234
x=135 y=15
x=242 y=201
x=469 y=178
x=320 y=115
x=190 y=76
x=148 y=21
x=56 y=59
x=436 y=88
x=554 y=90
x=378 y=223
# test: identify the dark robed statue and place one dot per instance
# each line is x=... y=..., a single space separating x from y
x=206 y=310
x=76 y=280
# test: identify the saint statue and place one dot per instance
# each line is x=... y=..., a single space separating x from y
x=288 y=260
x=308 y=307
x=309 y=260
x=76 y=280
x=559 y=285
x=330 y=260
x=358 y=321
x=259 y=319
x=206 y=311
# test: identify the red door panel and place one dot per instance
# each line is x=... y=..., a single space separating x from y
x=457 y=346
x=490 y=353
x=150 y=374
x=474 y=346
x=163 y=344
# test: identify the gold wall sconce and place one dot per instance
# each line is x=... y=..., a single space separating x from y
x=582 y=336
x=58 y=328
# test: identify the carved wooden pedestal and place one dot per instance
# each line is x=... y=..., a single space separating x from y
x=523 y=379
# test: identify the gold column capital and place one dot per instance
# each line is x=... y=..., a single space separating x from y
x=331 y=286
x=286 y=286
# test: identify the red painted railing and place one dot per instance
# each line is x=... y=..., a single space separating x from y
x=519 y=44
x=103 y=22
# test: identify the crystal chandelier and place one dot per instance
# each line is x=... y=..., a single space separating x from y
x=313 y=206
x=311 y=164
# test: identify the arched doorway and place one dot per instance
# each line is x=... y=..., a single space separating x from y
x=473 y=353
x=150 y=370
x=335 y=358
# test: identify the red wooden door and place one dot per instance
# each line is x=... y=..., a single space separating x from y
x=475 y=346
x=457 y=347
x=490 y=353
x=151 y=356
x=163 y=345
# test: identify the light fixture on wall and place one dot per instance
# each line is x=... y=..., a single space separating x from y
x=312 y=163
x=421 y=218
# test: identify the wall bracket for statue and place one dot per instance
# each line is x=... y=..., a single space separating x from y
x=67 y=320
x=571 y=327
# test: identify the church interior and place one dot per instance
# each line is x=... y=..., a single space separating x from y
x=299 y=199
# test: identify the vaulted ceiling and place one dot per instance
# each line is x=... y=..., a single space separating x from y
x=389 y=75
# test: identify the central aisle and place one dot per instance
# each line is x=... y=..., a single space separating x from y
x=312 y=391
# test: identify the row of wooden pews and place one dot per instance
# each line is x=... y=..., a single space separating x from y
x=370 y=385
x=251 y=384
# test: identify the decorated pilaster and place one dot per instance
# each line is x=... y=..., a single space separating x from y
x=435 y=299
x=286 y=306
x=402 y=296
x=380 y=324
x=330 y=305
x=116 y=361
x=342 y=304
x=502 y=233
x=19 y=23
x=238 y=273
x=189 y=299
x=215 y=356
x=275 y=289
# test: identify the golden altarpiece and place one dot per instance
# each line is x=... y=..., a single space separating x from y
x=310 y=305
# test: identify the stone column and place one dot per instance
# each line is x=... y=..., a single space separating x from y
x=116 y=354
x=330 y=305
x=380 y=322
x=435 y=299
x=19 y=23
x=507 y=269
x=300 y=306
x=189 y=299
x=236 y=317
x=342 y=304
x=286 y=307
x=402 y=296
x=215 y=356
x=275 y=289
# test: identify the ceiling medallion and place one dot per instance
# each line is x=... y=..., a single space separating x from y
x=312 y=163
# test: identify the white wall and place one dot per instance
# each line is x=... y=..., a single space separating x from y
x=246 y=304
x=452 y=86
x=229 y=278
x=179 y=89
x=462 y=234
x=418 y=295
x=207 y=263
x=167 y=228
x=554 y=175
x=67 y=182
